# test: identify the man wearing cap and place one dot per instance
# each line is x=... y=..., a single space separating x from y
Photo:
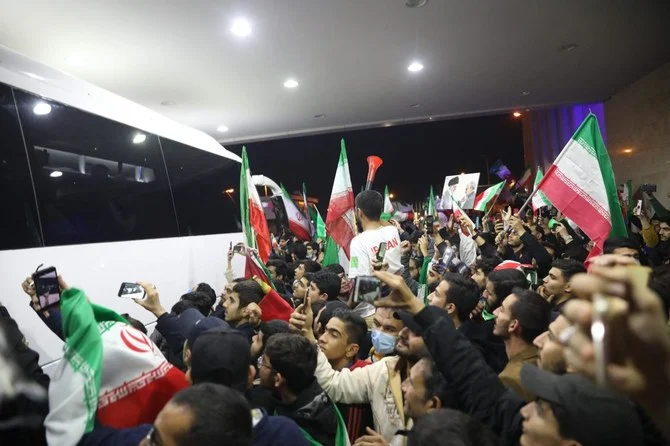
x=570 y=410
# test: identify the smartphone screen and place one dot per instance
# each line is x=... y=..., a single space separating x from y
x=46 y=287
x=366 y=289
x=131 y=290
x=381 y=252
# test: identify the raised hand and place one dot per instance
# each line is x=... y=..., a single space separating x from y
x=151 y=301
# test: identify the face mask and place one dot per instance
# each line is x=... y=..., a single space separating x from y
x=383 y=343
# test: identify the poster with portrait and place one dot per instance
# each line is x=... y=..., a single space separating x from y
x=461 y=188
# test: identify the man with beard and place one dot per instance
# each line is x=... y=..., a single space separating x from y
x=522 y=316
x=378 y=384
x=524 y=248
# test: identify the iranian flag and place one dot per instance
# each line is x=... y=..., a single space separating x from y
x=253 y=218
x=110 y=372
x=458 y=213
x=580 y=184
x=539 y=199
x=525 y=177
x=388 y=206
x=626 y=199
x=487 y=197
x=272 y=305
x=298 y=224
x=341 y=221
x=431 y=203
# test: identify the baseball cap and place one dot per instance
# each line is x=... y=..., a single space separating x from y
x=203 y=325
x=587 y=413
x=221 y=357
x=409 y=322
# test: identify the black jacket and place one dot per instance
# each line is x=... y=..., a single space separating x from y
x=314 y=412
x=532 y=249
x=490 y=346
x=476 y=385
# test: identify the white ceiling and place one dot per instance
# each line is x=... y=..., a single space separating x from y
x=350 y=56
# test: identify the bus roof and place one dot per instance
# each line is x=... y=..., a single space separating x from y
x=26 y=74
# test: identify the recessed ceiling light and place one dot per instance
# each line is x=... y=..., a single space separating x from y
x=76 y=61
x=319 y=116
x=415 y=67
x=414 y=105
x=42 y=108
x=291 y=83
x=56 y=174
x=516 y=114
x=525 y=93
x=222 y=129
x=387 y=124
x=415 y=3
x=627 y=150
x=241 y=27
x=430 y=118
x=568 y=47
x=139 y=138
x=168 y=103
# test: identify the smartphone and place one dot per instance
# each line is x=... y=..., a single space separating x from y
x=638 y=208
x=366 y=289
x=429 y=224
x=381 y=252
x=46 y=287
x=131 y=290
x=239 y=248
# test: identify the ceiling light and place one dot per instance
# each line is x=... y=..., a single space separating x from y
x=391 y=196
x=387 y=124
x=241 y=28
x=291 y=83
x=525 y=93
x=516 y=114
x=42 y=108
x=139 y=138
x=168 y=103
x=627 y=150
x=222 y=129
x=56 y=174
x=414 y=105
x=415 y=3
x=76 y=61
x=415 y=67
x=319 y=116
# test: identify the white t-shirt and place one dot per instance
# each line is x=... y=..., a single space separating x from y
x=364 y=249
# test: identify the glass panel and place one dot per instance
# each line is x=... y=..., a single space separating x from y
x=199 y=182
x=96 y=180
x=20 y=228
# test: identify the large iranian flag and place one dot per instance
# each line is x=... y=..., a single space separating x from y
x=253 y=218
x=488 y=196
x=341 y=220
x=298 y=224
x=580 y=183
x=110 y=372
x=539 y=199
x=388 y=206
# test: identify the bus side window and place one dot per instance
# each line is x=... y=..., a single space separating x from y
x=199 y=180
x=96 y=180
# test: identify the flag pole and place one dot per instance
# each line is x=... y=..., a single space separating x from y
x=525 y=205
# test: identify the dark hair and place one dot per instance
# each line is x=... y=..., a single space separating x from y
x=532 y=311
x=310 y=266
x=613 y=243
x=300 y=251
x=353 y=323
x=328 y=283
x=280 y=286
x=334 y=268
x=568 y=267
x=314 y=245
x=371 y=204
x=309 y=276
x=281 y=267
x=659 y=282
x=433 y=286
x=294 y=357
x=181 y=306
x=436 y=385
x=271 y=328
x=489 y=238
x=449 y=427
x=220 y=415
x=487 y=264
x=539 y=229
x=249 y=291
x=135 y=323
x=201 y=301
x=415 y=236
x=503 y=281
x=208 y=290
x=329 y=309
x=463 y=292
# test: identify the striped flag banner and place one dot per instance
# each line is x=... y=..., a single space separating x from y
x=539 y=199
x=488 y=196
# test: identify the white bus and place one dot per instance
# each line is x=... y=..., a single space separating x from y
x=106 y=191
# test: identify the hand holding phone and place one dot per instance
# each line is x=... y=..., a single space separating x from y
x=366 y=289
x=130 y=290
x=47 y=288
x=379 y=258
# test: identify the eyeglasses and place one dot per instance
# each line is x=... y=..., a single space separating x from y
x=261 y=363
x=153 y=439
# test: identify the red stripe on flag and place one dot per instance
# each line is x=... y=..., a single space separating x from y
x=575 y=204
x=257 y=221
x=337 y=226
x=298 y=230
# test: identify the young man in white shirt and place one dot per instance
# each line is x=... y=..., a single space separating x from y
x=364 y=247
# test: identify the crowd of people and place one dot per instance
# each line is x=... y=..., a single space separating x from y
x=501 y=334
